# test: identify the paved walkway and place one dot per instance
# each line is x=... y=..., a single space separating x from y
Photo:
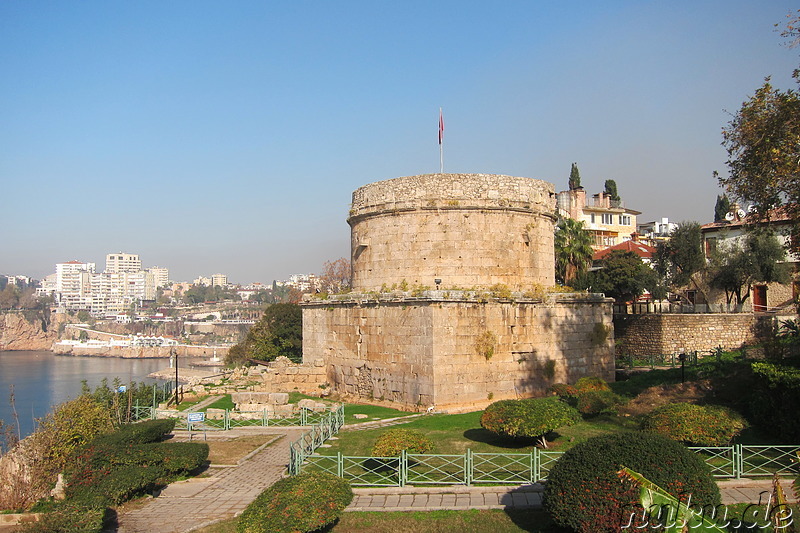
x=190 y=504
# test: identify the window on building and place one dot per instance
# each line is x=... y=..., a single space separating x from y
x=608 y=218
x=711 y=246
x=624 y=220
x=591 y=217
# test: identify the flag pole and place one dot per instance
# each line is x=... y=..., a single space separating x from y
x=441 y=142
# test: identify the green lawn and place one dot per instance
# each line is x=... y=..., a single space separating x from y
x=453 y=434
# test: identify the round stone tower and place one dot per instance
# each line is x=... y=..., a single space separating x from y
x=466 y=230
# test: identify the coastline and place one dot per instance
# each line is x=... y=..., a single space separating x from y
x=139 y=352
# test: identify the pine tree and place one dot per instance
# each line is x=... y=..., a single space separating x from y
x=611 y=190
x=722 y=207
x=574 y=177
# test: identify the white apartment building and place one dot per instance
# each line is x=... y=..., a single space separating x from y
x=77 y=286
x=160 y=276
x=122 y=262
x=219 y=279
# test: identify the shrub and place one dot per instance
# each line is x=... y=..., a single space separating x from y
x=594 y=402
x=302 y=503
x=562 y=390
x=529 y=418
x=700 y=425
x=75 y=518
x=394 y=441
x=584 y=492
x=591 y=383
x=776 y=393
x=139 y=433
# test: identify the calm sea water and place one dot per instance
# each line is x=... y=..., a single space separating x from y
x=42 y=380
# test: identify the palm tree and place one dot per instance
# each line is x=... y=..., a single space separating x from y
x=573 y=247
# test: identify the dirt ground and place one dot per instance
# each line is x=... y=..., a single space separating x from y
x=649 y=399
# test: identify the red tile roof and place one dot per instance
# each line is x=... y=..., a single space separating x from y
x=645 y=251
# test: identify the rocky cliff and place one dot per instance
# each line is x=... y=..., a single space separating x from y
x=28 y=330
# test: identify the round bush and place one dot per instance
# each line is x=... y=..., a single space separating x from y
x=394 y=441
x=585 y=493
x=700 y=425
x=562 y=390
x=302 y=503
x=594 y=402
x=591 y=383
x=528 y=418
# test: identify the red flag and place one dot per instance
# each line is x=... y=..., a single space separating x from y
x=441 y=126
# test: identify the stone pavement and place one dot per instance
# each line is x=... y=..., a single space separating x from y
x=190 y=504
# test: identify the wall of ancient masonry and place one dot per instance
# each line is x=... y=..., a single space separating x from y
x=281 y=375
x=642 y=335
x=469 y=230
x=458 y=355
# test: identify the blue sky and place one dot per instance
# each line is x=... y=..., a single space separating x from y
x=228 y=136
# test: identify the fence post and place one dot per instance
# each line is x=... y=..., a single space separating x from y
x=468 y=467
x=339 y=465
x=536 y=465
x=401 y=468
x=226 y=421
x=302 y=416
x=738 y=455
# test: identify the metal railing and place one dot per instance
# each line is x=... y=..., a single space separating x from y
x=228 y=418
x=323 y=427
x=471 y=468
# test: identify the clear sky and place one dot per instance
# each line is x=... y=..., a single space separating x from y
x=228 y=136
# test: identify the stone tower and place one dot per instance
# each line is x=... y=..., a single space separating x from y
x=467 y=230
x=453 y=300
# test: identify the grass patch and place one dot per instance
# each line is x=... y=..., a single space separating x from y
x=372 y=411
x=228 y=452
x=223 y=403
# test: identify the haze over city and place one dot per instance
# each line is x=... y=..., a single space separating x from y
x=210 y=137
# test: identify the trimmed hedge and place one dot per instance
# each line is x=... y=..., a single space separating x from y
x=302 y=503
x=699 y=425
x=139 y=433
x=394 y=441
x=69 y=517
x=529 y=418
x=584 y=492
x=591 y=383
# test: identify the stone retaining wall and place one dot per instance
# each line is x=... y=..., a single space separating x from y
x=657 y=334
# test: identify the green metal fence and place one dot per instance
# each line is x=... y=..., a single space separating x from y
x=473 y=468
x=323 y=427
x=228 y=419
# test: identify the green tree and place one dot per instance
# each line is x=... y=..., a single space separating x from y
x=279 y=332
x=623 y=276
x=681 y=257
x=9 y=297
x=763 y=145
x=574 y=177
x=611 y=190
x=721 y=208
x=573 y=250
x=759 y=259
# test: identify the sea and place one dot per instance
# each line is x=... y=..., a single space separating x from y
x=42 y=380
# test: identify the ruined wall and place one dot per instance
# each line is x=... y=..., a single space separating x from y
x=458 y=354
x=468 y=230
x=655 y=334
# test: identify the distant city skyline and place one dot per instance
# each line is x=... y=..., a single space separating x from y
x=228 y=138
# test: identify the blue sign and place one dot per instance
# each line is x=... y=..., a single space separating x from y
x=196 y=417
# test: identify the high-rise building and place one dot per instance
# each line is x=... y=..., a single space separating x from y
x=160 y=276
x=219 y=279
x=122 y=262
